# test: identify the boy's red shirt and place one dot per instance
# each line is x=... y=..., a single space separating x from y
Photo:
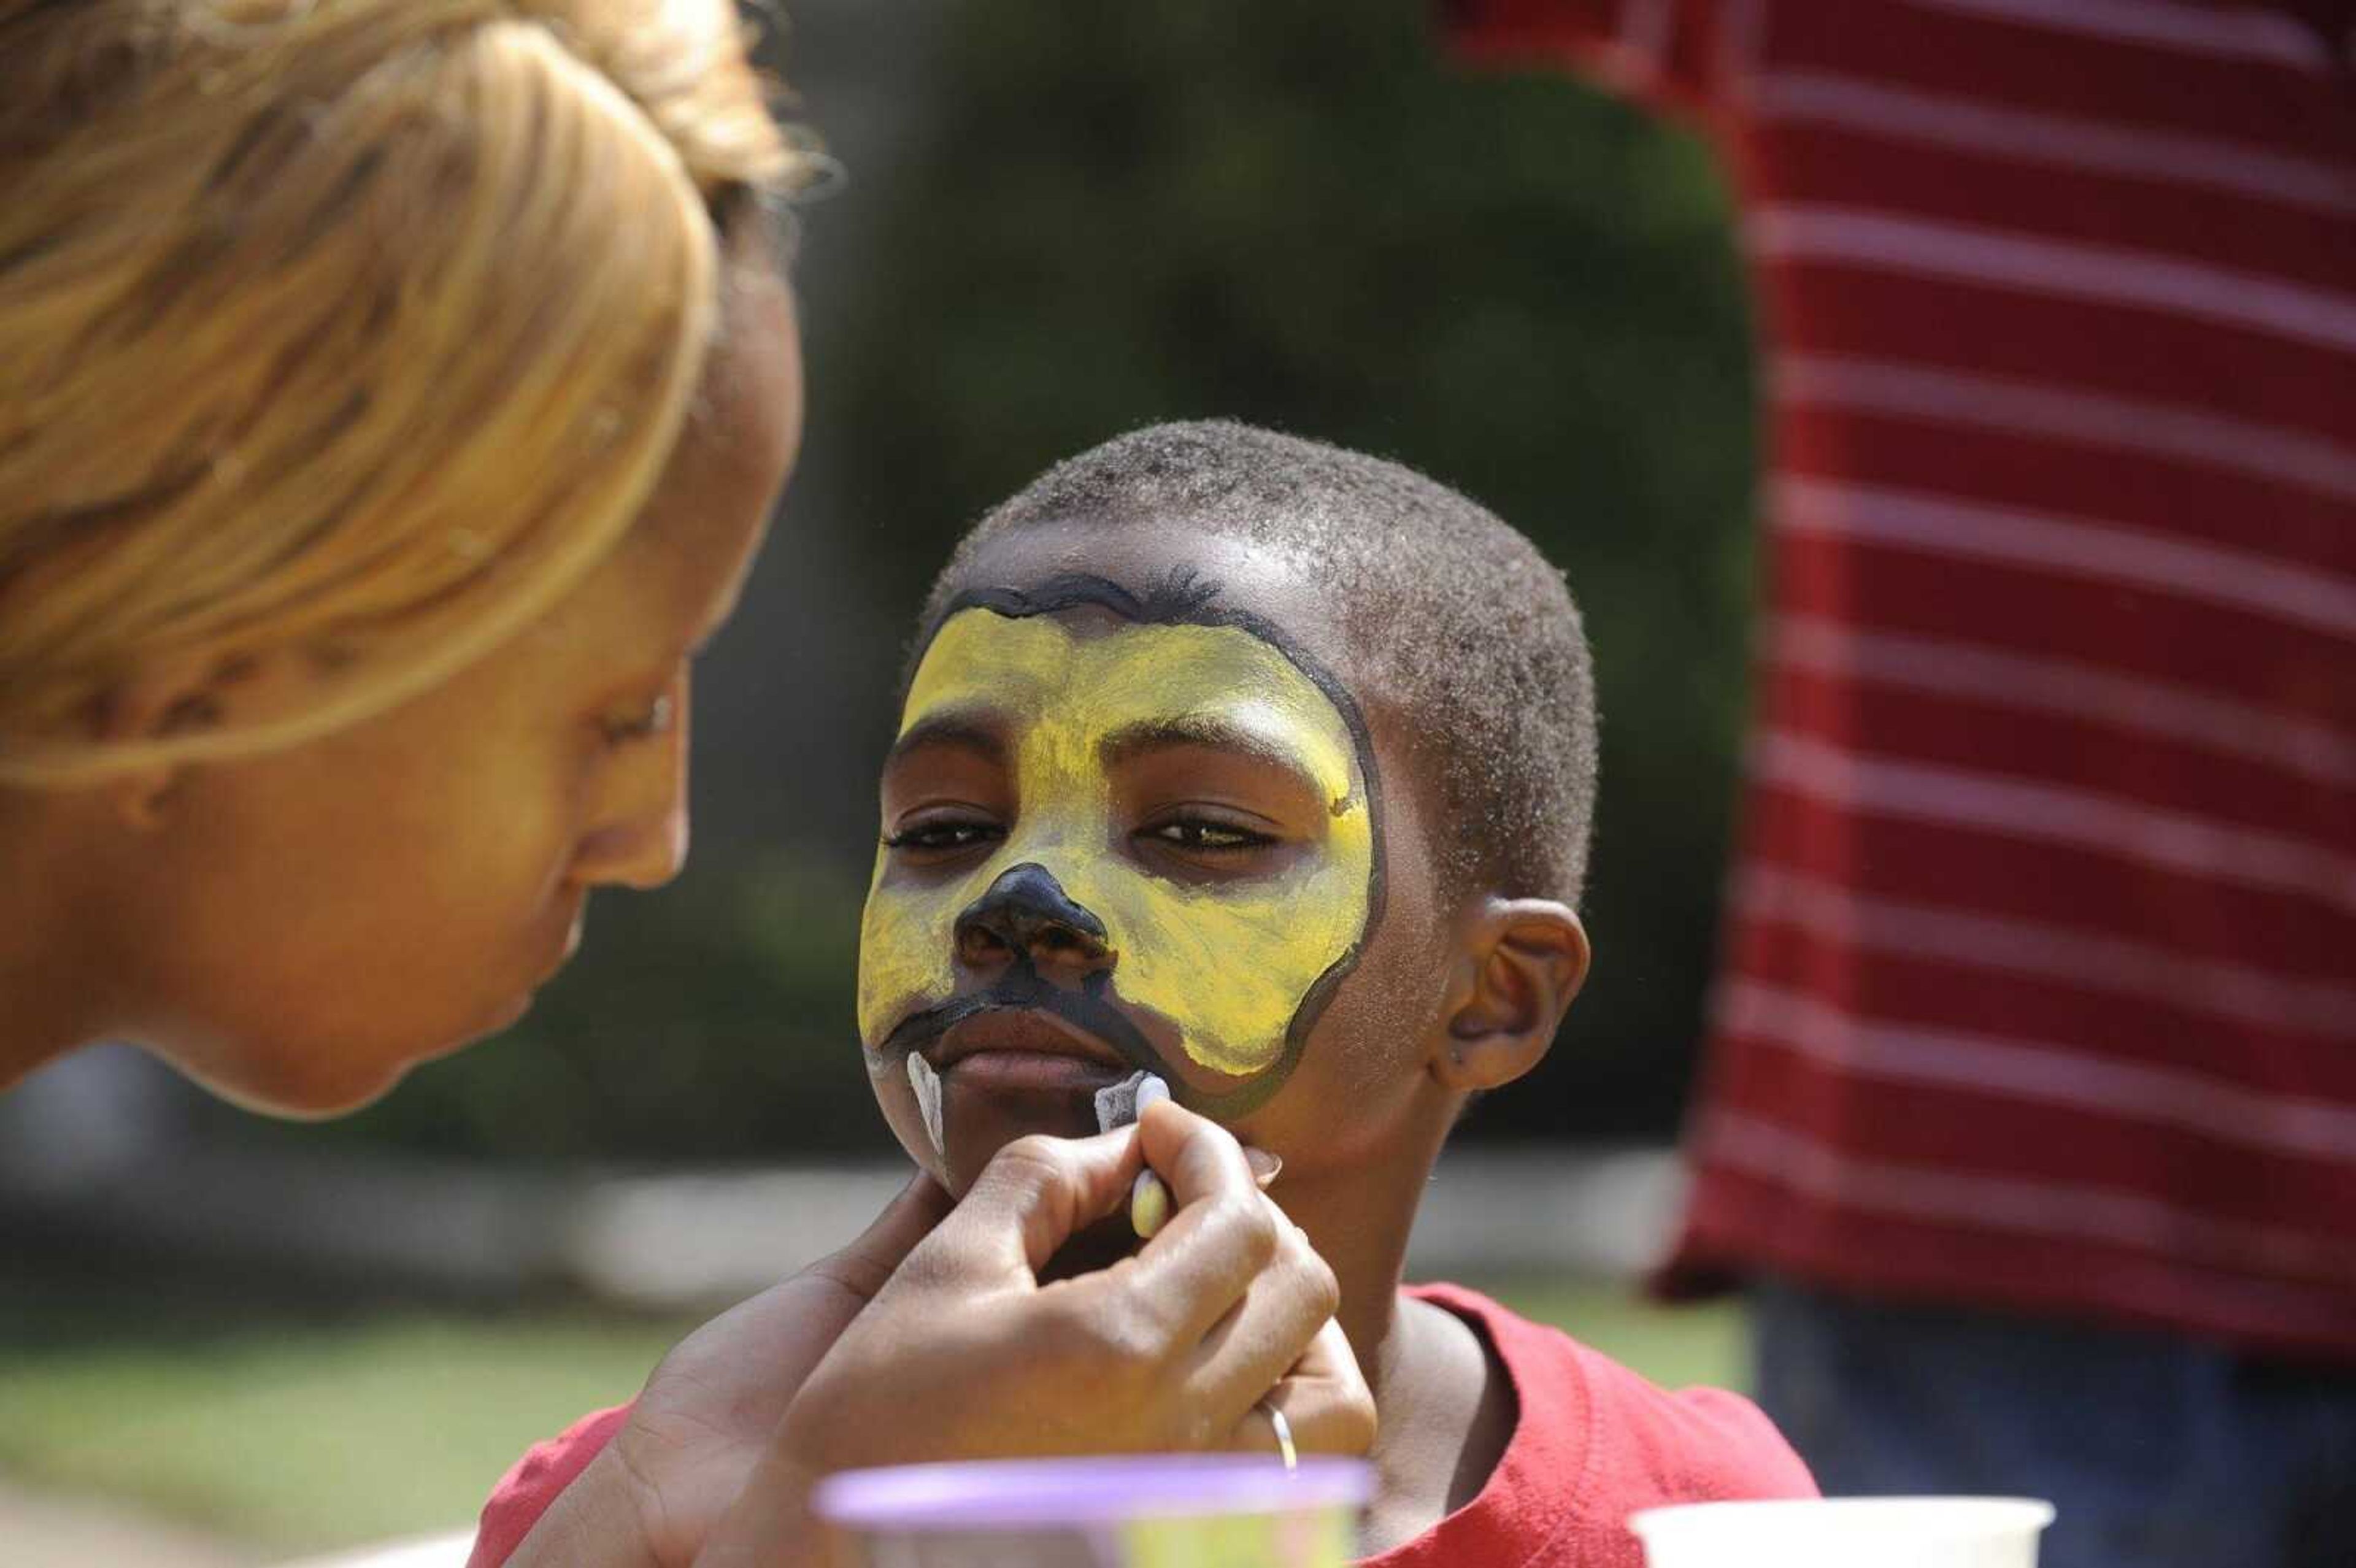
x=1593 y=1443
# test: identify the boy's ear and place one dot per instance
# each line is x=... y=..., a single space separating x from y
x=179 y=694
x=1520 y=964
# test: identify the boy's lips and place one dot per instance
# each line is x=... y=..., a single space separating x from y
x=1024 y=1047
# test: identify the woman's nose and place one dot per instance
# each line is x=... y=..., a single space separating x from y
x=641 y=841
x=644 y=854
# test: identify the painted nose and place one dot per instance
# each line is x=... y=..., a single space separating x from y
x=1027 y=912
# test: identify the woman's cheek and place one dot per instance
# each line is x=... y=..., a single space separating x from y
x=516 y=834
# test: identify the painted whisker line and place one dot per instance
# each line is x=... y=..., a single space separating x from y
x=1022 y=990
x=1087 y=1011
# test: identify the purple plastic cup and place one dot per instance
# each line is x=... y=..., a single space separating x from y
x=1152 y=1511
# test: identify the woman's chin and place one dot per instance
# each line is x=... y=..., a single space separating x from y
x=308 y=1082
x=302 y=1096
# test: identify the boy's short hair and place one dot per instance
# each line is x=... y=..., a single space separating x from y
x=1452 y=619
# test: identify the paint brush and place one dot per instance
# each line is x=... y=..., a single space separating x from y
x=1117 y=1106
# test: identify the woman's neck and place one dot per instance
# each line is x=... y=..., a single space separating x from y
x=50 y=1002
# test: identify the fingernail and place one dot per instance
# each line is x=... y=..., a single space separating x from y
x=1264 y=1165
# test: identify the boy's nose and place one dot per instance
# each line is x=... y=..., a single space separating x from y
x=1026 y=912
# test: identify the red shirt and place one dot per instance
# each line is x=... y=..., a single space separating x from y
x=2039 y=980
x=1593 y=1443
x=528 y=1489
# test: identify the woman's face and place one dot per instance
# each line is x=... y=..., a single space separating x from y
x=305 y=926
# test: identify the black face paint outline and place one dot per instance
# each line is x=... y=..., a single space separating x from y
x=1182 y=599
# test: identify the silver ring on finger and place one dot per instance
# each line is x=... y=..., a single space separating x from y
x=1283 y=1429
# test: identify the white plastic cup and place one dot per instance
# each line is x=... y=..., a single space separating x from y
x=1845 y=1532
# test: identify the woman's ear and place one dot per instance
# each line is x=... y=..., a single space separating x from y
x=1523 y=961
x=181 y=694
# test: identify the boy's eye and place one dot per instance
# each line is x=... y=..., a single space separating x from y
x=1203 y=834
x=940 y=836
x=641 y=724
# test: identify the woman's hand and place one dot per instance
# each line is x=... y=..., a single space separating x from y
x=1172 y=1349
x=965 y=1353
x=708 y=1414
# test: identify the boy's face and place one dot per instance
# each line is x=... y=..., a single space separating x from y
x=1116 y=837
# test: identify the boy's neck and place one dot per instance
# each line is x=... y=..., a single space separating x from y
x=1358 y=1223
x=1445 y=1408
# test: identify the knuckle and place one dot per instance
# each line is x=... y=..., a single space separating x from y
x=937 y=1266
x=1186 y=1424
x=1134 y=1350
x=1198 y=1430
x=1253 y=1225
x=1342 y=1421
x=1112 y=1346
x=852 y=1272
x=1318 y=1283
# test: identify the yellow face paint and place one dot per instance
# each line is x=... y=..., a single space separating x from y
x=1238 y=964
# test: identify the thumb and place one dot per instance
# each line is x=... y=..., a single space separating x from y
x=862 y=1266
x=1035 y=1194
x=787 y=1328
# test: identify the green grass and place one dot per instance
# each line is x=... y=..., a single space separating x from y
x=311 y=1433
x=307 y=1436
x=1675 y=1346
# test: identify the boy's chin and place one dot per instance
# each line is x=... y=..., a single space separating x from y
x=974 y=1128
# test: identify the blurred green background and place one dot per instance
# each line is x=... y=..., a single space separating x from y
x=1064 y=218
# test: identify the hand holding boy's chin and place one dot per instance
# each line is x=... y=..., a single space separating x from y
x=953 y=1333
x=975 y=1129
x=1010 y=1351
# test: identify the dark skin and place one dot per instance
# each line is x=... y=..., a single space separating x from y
x=1452 y=994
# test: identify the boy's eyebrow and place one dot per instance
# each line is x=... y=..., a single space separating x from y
x=1206 y=729
x=965 y=732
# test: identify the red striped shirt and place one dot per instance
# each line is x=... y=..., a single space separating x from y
x=2040 y=985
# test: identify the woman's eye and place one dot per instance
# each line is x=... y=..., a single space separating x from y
x=1196 y=833
x=939 y=836
x=641 y=724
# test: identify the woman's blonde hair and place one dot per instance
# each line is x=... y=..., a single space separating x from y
x=356 y=327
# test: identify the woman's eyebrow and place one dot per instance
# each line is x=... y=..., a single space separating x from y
x=1209 y=731
x=957 y=730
